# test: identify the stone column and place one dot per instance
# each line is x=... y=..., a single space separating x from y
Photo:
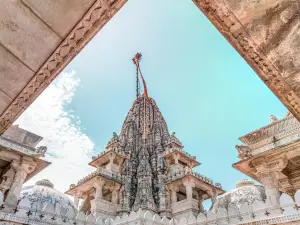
x=115 y=194
x=98 y=186
x=76 y=202
x=176 y=158
x=76 y=199
x=111 y=158
x=268 y=172
x=173 y=190
x=200 y=200
x=7 y=180
x=271 y=186
x=189 y=188
x=22 y=170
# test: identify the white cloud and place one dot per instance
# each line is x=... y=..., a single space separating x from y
x=69 y=148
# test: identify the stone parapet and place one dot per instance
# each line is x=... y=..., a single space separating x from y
x=100 y=172
x=23 y=149
x=257 y=214
x=182 y=173
x=277 y=130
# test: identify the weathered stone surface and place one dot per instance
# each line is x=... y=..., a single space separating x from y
x=61 y=16
x=266 y=34
x=274 y=26
x=31 y=31
x=25 y=35
x=13 y=74
x=4 y=101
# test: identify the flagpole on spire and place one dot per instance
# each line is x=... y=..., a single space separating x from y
x=136 y=60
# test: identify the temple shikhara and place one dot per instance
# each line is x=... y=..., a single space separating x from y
x=144 y=167
x=145 y=176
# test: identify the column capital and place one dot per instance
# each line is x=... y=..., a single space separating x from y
x=271 y=164
x=78 y=194
x=26 y=165
x=173 y=187
x=99 y=182
x=187 y=181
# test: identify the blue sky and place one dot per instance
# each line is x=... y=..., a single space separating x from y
x=206 y=92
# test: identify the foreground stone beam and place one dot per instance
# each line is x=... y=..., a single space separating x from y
x=68 y=46
x=267 y=35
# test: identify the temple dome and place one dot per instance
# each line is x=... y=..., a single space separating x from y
x=245 y=192
x=43 y=193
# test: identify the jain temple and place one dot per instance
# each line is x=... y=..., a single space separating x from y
x=145 y=176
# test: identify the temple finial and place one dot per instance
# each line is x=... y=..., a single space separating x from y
x=136 y=60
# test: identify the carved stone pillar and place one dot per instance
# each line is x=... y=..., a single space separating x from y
x=115 y=194
x=76 y=202
x=271 y=185
x=200 y=200
x=189 y=188
x=174 y=190
x=176 y=158
x=22 y=170
x=269 y=174
x=111 y=161
x=76 y=199
x=6 y=180
x=98 y=189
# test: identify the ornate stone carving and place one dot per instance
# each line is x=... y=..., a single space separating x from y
x=144 y=133
x=244 y=151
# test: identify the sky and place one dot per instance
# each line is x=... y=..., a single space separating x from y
x=206 y=92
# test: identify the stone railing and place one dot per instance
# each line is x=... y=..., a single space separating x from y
x=27 y=150
x=101 y=172
x=257 y=214
x=116 y=150
x=24 y=214
x=170 y=150
x=278 y=129
x=178 y=174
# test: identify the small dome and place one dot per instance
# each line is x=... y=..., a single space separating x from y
x=43 y=193
x=45 y=183
x=244 y=182
x=245 y=192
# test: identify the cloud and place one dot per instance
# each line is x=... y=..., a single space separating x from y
x=69 y=148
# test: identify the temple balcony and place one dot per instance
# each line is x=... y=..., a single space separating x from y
x=188 y=190
x=111 y=159
x=99 y=192
x=278 y=133
x=19 y=158
x=88 y=180
x=271 y=156
x=175 y=156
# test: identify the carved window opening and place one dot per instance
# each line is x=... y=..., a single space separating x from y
x=182 y=163
x=107 y=195
x=181 y=194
